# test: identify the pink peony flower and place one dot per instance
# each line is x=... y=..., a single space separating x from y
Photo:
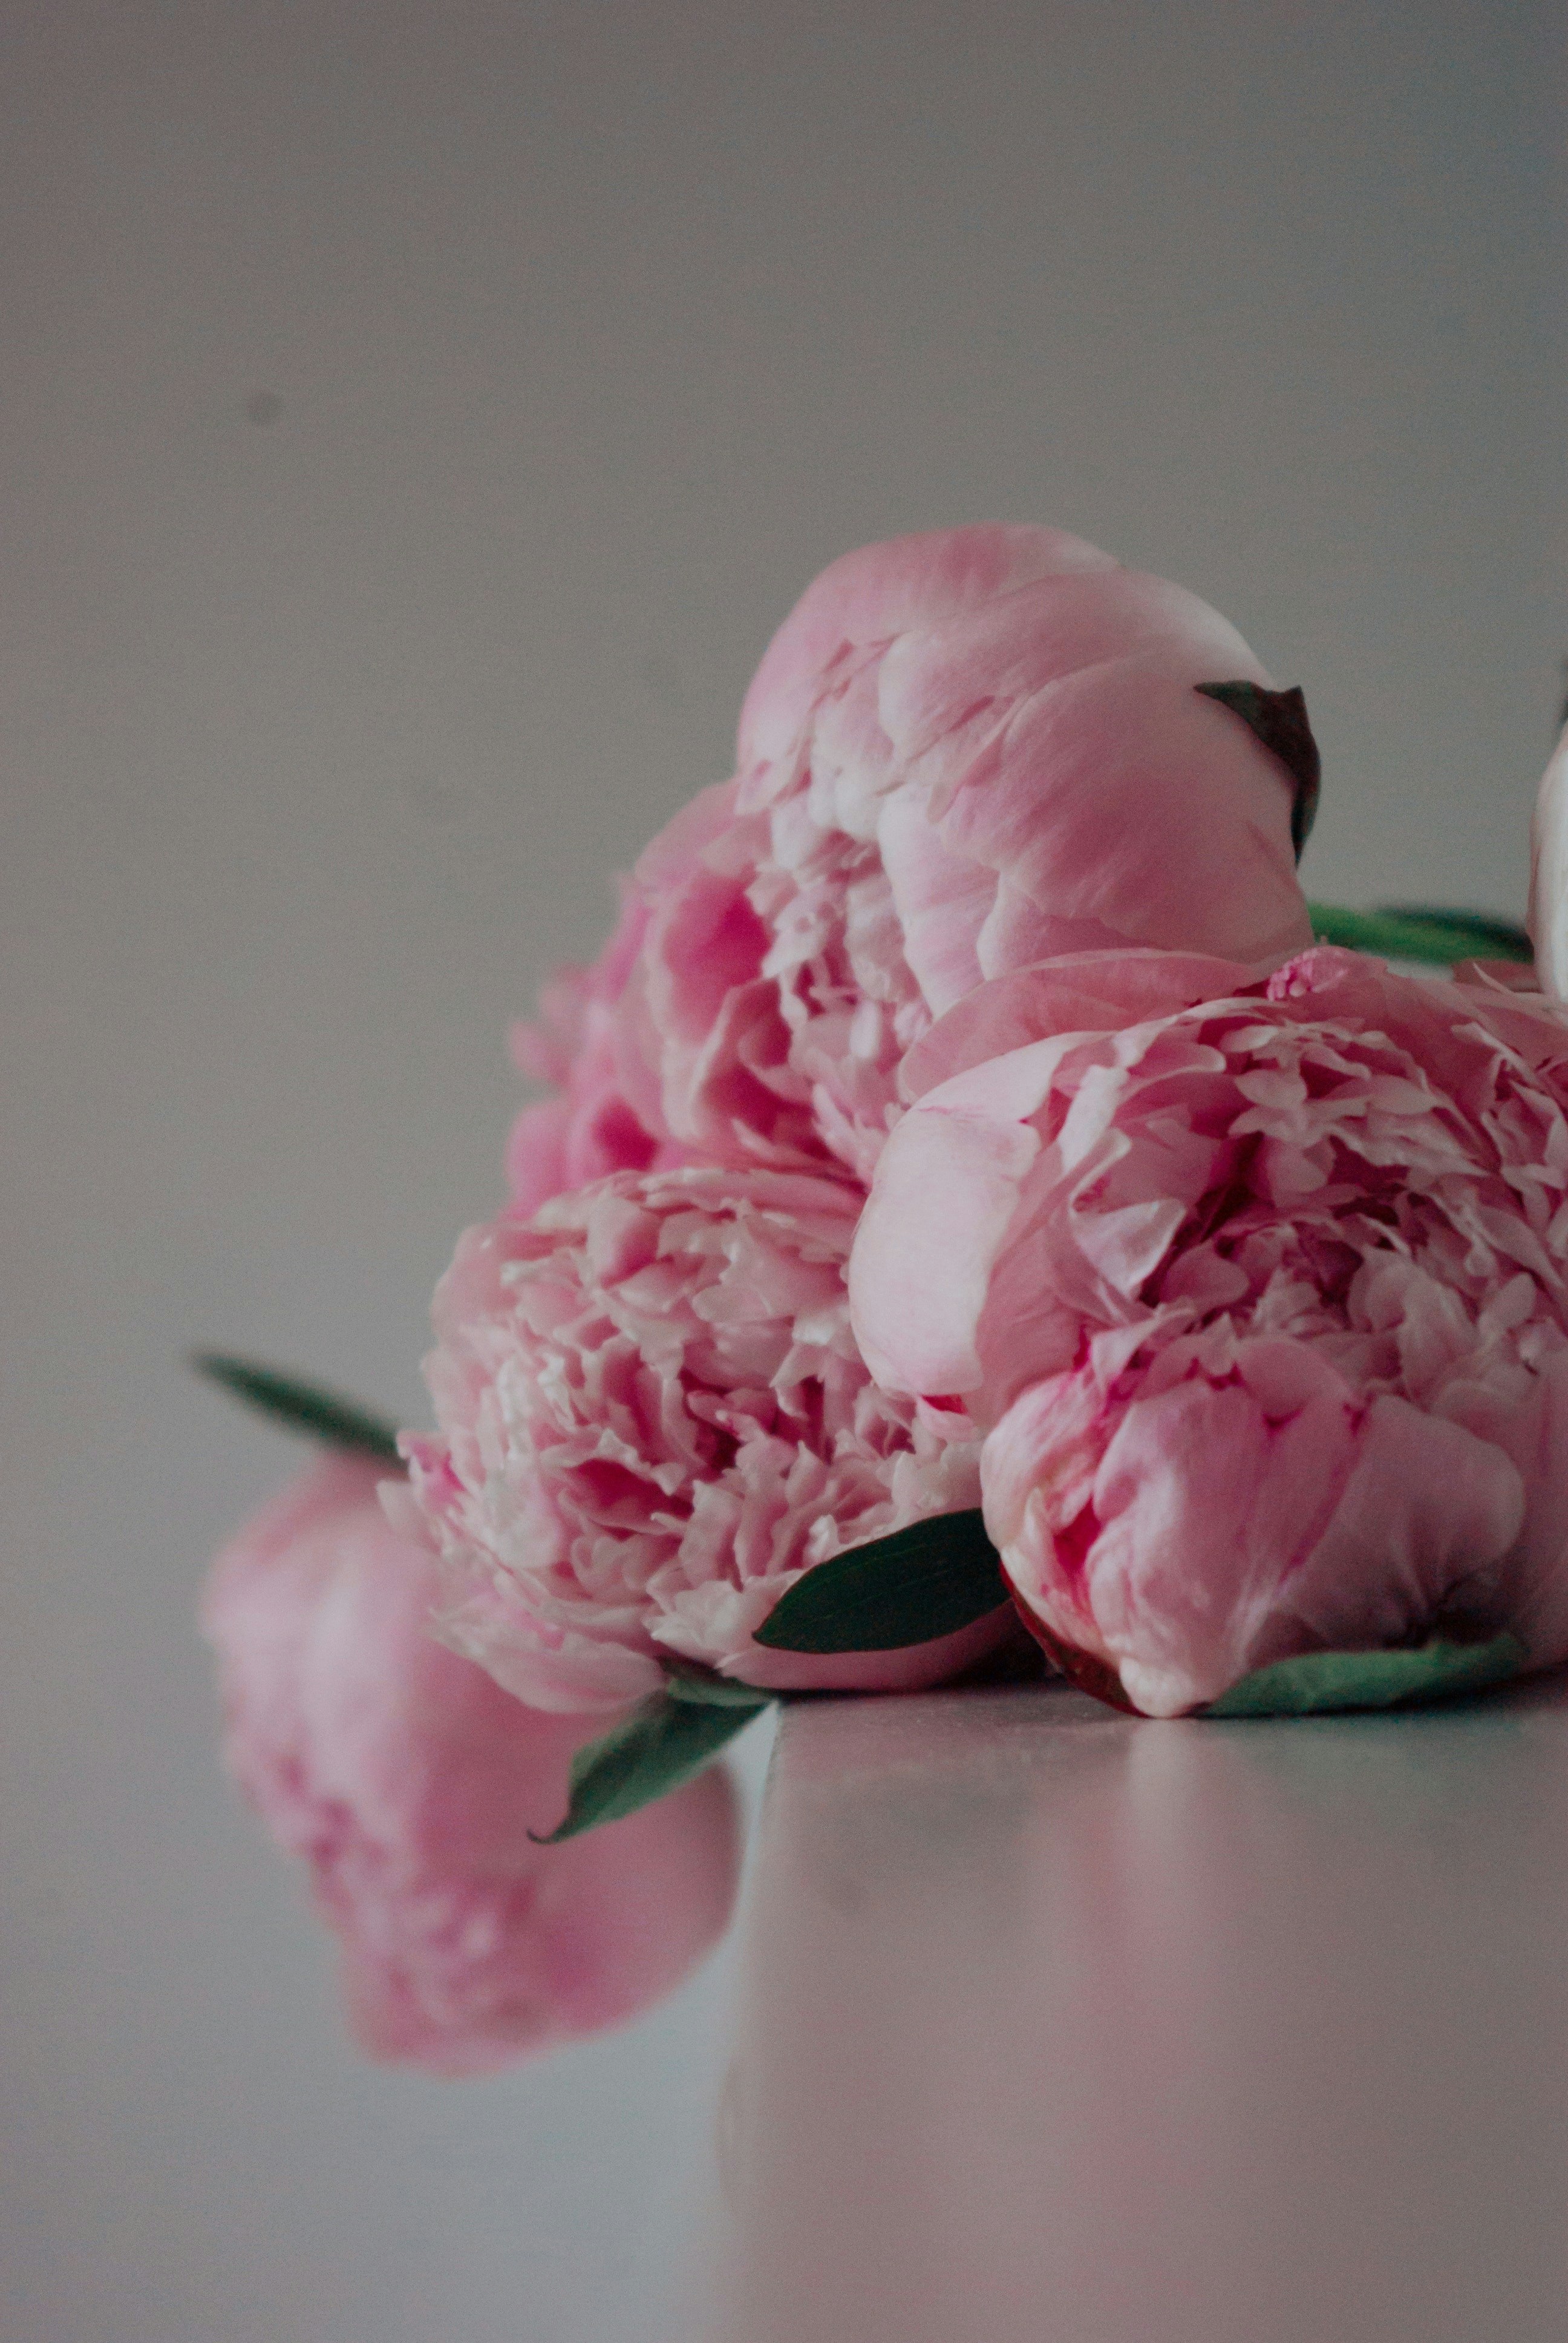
x=408 y=1782
x=963 y=752
x=1262 y=1298
x=653 y=1419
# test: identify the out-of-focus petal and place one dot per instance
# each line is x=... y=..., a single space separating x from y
x=408 y=1782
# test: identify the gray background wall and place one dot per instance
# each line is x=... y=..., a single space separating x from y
x=414 y=420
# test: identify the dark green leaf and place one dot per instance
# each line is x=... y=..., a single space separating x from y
x=689 y=1679
x=1438 y=937
x=928 y=1580
x=662 y=1744
x=1486 y=936
x=1279 y=719
x=1328 y=1680
x=303 y=1406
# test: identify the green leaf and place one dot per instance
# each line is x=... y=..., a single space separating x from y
x=1328 y=1680
x=666 y=1740
x=928 y=1580
x=1279 y=719
x=1485 y=935
x=1422 y=933
x=302 y=1406
x=689 y=1679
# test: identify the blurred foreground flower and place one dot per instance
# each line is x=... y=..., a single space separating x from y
x=408 y=1782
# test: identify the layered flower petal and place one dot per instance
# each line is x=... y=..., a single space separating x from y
x=653 y=1417
x=1264 y=1300
x=962 y=753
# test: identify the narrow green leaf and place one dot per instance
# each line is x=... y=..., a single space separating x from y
x=1279 y=719
x=928 y=1580
x=1440 y=937
x=1331 y=1680
x=302 y=1406
x=1486 y=935
x=662 y=1744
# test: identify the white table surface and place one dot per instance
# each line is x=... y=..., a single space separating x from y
x=1063 y=2028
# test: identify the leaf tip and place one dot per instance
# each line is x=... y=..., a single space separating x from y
x=1278 y=722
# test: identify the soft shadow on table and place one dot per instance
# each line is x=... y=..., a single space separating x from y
x=1063 y=2026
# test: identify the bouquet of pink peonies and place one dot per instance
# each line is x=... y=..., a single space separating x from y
x=985 y=1218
